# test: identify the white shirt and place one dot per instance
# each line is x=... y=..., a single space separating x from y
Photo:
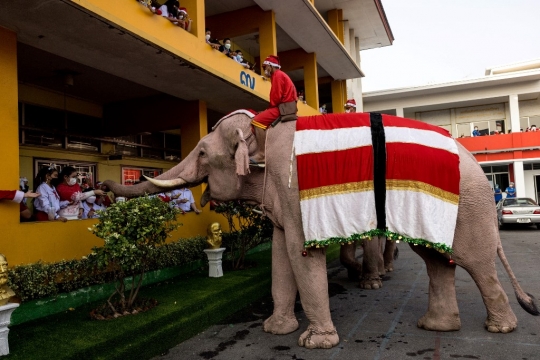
x=181 y=194
x=49 y=199
x=86 y=209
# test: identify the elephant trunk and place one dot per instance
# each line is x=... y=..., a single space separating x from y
x=183 y=174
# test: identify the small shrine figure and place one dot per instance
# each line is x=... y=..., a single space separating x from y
x=214 y=235
x=5 y=291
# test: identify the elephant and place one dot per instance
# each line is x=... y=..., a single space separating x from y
x=221 y=160
x=378 y=259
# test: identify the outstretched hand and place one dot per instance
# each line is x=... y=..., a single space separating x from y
x=30 y=194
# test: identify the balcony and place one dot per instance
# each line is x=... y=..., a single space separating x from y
x=522 y=145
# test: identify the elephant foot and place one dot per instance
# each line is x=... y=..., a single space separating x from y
x=496 y=326
x=389 y=267
x=439 y=323
x=373 y=283
x=280 y=325
x=314 y=338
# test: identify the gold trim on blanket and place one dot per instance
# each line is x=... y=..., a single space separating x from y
x=338 y=189
x=422 y=187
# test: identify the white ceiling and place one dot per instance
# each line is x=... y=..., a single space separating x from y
x=364 y=17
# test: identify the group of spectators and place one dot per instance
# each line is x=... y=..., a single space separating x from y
x=62 y=198
x=510 y=192
x=477 y=132
x=59 y=197
x=225 y=48
x=171 y=11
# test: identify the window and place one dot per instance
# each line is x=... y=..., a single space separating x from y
x=131 y=176
x=43 y=126
x=86 y=171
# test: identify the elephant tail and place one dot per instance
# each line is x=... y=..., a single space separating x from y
x=524 y=299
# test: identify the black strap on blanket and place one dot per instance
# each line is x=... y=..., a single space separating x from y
x=379 y=168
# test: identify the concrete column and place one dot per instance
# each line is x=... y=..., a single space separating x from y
x=513 y=102
x=311 y=85
x=400 y=112
x=519 y=178
x=194 y=125
x=335 y=18
x=267 y=37
x=358 y=82
x=339 y=93
x=196 y=13
x=9 y=123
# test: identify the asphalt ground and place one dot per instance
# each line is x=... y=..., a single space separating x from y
x=381 y=324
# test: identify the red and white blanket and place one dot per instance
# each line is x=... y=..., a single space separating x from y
x=335 y=175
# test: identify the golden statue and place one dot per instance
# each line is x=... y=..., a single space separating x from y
x=5 y=292
x=214 y=234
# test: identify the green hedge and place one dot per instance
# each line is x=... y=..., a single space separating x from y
x=40 y=280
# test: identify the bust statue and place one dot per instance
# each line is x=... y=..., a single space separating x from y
x=5 y=292
x=213 y=238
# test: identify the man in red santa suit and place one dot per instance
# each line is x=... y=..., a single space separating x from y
x=16 y=195
x=281 y=92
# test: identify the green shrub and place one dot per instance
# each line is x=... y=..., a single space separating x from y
x=131 y=232
x=247 y=230
x=40 y=280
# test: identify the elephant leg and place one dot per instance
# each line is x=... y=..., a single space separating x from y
x=388 y=255
x=283 y=320
x=312 y=282
x=347 y=257
x=500 y=317
x=443 y=312
x=372 y=264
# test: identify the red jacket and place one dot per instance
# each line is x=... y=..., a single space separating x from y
x=14 y=195
x=282 y=90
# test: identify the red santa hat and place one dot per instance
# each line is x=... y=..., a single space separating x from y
x=183 y=10
x=272 y=60
x=351 y=103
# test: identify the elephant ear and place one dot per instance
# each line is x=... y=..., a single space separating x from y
x=241 y=156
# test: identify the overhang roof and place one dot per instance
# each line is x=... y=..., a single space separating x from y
x=64 y=29
x=305 y=25
x=366 y=17
x=502 y=79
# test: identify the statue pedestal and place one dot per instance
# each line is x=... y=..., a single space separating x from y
x=214 y=262
x=5 y=319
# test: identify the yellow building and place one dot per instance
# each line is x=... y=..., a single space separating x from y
x=117 y=91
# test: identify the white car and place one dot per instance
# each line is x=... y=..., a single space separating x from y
x=518 y=211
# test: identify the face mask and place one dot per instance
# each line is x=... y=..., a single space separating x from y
x=227 y=46
x=347 y=110
x=207 y=37
x=267 y=72
x=72 y=181
x=91 y=200
x=239 y=57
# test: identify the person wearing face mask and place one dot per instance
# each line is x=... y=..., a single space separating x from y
x=239 y=58
x=476 y=132
x=48 y=204
x=70 y=190
x=210 y=41
x=179 y=17
x=510 y=191
x=88 y=208
x=283 y=99
x=350 y=106
x=226 y=47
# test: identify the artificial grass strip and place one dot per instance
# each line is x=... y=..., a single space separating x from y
x=188 y=305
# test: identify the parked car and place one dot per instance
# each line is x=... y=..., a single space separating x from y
x=518 y=211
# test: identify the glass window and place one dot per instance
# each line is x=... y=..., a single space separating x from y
x=464 y=130
x=132 y=176
x=499 y=168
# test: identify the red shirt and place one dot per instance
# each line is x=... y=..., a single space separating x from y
x=282 y=90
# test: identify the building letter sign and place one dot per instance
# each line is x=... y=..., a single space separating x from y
x=247 y=80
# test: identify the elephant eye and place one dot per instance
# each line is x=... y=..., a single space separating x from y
x=202 y=153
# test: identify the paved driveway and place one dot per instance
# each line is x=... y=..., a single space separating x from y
x=381 y=324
